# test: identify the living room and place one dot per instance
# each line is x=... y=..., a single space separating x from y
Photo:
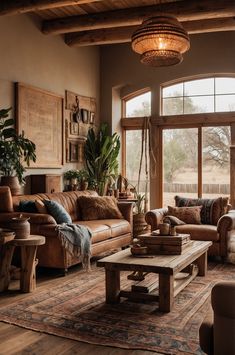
x=107 y=71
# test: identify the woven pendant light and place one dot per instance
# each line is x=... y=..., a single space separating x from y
x=160 y=40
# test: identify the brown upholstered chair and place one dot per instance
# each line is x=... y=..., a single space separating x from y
x=217 y=222
x=217 y=336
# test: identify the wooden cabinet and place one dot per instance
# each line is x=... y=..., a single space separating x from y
x=46 y=183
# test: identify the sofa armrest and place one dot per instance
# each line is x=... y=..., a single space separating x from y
x=35 y=218
x=225 y=224
x=206 y=334
x=126 y=209
x=155 y=217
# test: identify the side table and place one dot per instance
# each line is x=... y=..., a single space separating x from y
x=28 y=249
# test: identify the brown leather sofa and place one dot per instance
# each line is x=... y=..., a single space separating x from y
x=217 y=332
x=107 y=234
x=218 y=232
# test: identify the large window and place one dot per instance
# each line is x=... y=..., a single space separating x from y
x=198 y=96
x=191 y=153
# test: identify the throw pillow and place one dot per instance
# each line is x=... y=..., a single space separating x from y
x=27 y=206
x=172 y=220
x=189 y=215
x=101 y=207
x=57 y=211
x=41 y=208
x=212 y=209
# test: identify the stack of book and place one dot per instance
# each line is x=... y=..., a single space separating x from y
x=165 y=244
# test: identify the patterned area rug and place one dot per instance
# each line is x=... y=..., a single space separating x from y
x=74 y=308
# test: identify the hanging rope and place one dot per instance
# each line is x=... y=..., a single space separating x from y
x=146 y=149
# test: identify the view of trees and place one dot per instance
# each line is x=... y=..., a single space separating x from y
x=180 y=145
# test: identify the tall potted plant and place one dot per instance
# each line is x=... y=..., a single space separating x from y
x=101 y=156
x=15 y=150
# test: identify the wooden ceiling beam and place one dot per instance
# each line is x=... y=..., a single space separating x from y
x=12 y=7
x=184 y=10
x=123 y=34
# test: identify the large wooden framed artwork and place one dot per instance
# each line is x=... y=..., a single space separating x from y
x=39 y=114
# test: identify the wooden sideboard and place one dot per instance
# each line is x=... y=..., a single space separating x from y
x=45 y=183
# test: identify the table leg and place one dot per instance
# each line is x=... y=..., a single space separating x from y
x=6 y=252
x=112 y=284
x=166 y=292
x=28 y=268
x=202 y=264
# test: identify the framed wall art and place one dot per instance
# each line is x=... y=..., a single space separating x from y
x=73 y=151
x=39 y=114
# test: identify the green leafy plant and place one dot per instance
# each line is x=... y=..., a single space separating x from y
x=71 y=174
x=101 y=153
x=83 y=175
x=15 y=149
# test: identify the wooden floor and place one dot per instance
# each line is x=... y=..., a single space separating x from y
x=17 y=340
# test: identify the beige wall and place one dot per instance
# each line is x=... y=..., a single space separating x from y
x=46 y=62
x=120 y=67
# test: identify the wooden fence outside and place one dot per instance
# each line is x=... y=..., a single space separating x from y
x=223 y=189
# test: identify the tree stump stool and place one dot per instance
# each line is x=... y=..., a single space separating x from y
x=28 y=249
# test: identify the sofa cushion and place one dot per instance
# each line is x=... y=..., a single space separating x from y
x=27 y=206
x=57 y=211
x=212 y=209
x=189 y=215
x=99 y=230
x=101 y=207
x=118 y=226
x=199 y=231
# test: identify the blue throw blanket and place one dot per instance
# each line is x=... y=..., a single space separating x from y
x=76 y=239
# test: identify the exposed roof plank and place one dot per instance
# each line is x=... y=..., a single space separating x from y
x=12 y=7
x=123 y=34
x=184 y=10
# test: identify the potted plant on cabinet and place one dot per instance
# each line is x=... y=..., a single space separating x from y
x=71 y=179
x=15 y=150
x=83 y=178
x=101 y=153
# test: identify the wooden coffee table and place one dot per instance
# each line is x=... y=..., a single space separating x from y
x=193 y=260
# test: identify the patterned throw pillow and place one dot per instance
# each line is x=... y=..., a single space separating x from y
x=212 y=209
x=101 y=207
x=27 y=206
x=57 y=211
x=189 y=215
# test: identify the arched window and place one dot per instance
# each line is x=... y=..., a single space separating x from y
x=136 y=105
x=215 y=94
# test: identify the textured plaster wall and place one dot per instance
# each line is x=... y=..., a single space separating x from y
x=28 y=56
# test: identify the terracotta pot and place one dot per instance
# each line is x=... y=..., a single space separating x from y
x=20 y=226
x=13 y=183
x=84 y=185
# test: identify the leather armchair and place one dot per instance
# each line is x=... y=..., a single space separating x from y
x=217 y=336
x=219 y=234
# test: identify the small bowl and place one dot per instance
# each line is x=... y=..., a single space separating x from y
x=139 y=250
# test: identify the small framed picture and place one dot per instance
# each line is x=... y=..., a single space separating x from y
x=73 y=151
x=92 y=117
x=85 y=117
x=74 y=128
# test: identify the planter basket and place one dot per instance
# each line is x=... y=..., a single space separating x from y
x=139 y=225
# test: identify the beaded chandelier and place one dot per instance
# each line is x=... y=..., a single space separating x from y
x=160 y=40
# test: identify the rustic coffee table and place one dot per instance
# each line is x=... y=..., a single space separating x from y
x=192 y=261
